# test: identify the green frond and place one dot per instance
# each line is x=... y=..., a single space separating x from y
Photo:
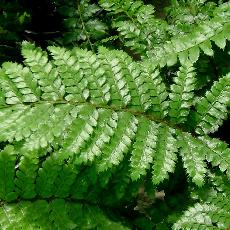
x=212 y=108
x=220 y=182
x=8 y=158
x=137 y=26
x=193 y=156
x=110 y=78
x=217 y=153
x=120 y=143
x=54 y=214
x=37 y=61
x=183 y=16
x=165 y=154
x=37 y=120
x=47 y=175
x=213 y=214
x=133 y=8
x=113 y=110
x=212 y=208
x=102 y=136
x=143 y=148
x=80 y=23
x=18 y=84
x=34 y=57
x=157 y=90
x=120 y=136
x=78 y=136
x=26 y=175
x=188 y=47
x=181 y=96
x=64 y=180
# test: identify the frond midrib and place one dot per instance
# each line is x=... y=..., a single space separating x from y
x=135 y=113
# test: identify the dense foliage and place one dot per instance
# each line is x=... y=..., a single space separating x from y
x=116 y=118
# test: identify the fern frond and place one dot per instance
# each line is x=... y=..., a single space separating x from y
x=183 y=16
x=37 y=61
x=104 y=137
x=181 y=96
x=55 y=214
x=8 y=158
x=26 y=176
x=165 y=154
x=212 y=109
x=213 y=214
x=120 y=143
x=81 y=25
x=143 y=148
x=112 y=109
x=18 y=84
x=47 y=175
x=136 y=24
x=115 y=80
x=188 y=47
x=193 y=155
x=220 y=182
x=64 y=180
x=89 y=139
x=217 y=153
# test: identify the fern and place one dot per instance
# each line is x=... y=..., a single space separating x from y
x=106 y=129
x=137 y=26
x=81 y=26
x=189 y=46
x=55 y=214
x=210 y=215
x=212 y=212
x=88 y=137
x=183 y=16
x=214 y=107
x=182 y=95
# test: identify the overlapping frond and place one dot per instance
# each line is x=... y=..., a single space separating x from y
x=212 y=208
x=213 y=214
x=138 y=28
x=188 y=47
x=211 y=110
x=80 y=23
